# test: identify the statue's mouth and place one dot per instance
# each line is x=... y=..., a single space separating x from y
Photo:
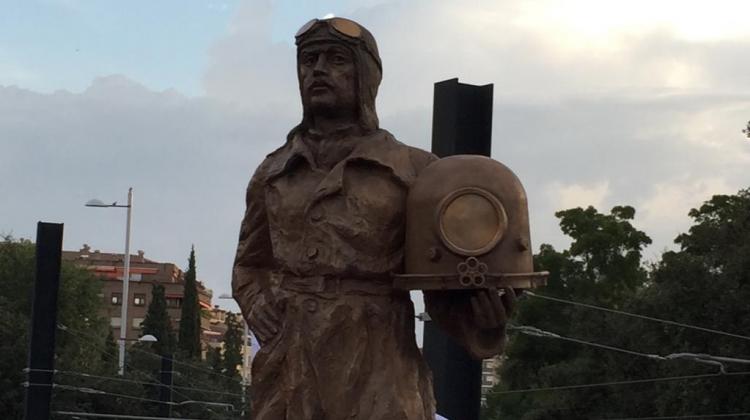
x=319 y=87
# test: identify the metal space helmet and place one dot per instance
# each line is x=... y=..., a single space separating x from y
x=467 y=226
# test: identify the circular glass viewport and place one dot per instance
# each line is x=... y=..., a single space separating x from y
x=471 y=221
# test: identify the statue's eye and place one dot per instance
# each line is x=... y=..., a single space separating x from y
x=338 y=59
x=308 y=60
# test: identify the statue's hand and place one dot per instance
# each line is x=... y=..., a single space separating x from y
x=264 y=320
x=491 y=309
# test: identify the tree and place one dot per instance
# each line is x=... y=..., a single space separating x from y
x=190 y=317
x=746 y=130
x=78 y=309
x=213 y=358
x=603 y=265
x=232 y=345
x=705 y=283
x=158 y=323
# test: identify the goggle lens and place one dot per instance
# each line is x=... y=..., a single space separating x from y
x=346 y=27
x=343 y=26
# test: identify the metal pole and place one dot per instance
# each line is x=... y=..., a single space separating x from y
x=125 y=283
x=245 y=363
x=49 y=238
x=461 y=124
x=165 y=391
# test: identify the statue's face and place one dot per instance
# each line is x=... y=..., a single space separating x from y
x=328 y=78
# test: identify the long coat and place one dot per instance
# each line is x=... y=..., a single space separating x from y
x=320 y=245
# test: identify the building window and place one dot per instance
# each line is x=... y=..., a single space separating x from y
x=116 y=299
x=139 y=299
x=174 y=302
x=137 y=323
x=114 y=322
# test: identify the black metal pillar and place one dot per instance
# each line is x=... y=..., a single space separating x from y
x=165 y=390
x=461 y=124
x=43 y=320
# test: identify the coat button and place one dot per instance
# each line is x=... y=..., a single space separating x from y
x=310 y=305
x=312 y=252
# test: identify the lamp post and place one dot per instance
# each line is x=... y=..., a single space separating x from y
x=126 y=276
x=245 y=353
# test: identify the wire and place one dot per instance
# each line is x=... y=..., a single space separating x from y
x=616 y=383
x=536 y=332
x=707 y=359
x=115 y=416
x=82 y=336
x=95 y=391
x=114 y=379
x=64 y=328
x=693 y=416
x=615 y=311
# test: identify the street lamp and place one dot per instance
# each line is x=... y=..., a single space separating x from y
x=148 y=338
x=245 y=353
x=126 y=275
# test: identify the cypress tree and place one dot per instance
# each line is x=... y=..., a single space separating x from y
x=158 y=323
x=232 y=345
x=213 y=357
x=190 y=317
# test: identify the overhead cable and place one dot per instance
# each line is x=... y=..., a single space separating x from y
x=116 y=379
x=82 y=336
x=87 y=390
x=692 y=416
x=649 y=318
x=78 y=414
x=617 y=383
x=708 y=359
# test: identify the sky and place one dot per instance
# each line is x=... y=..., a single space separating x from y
x=595 y=103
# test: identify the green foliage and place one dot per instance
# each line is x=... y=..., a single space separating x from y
x=603 y=264
x=87 y=352
x=158 y=323
x=232 y=346
x=705 y=283
x=78 y=307
x=190 y=317
x=213 y=358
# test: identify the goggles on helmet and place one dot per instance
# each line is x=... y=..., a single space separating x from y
x=343 y=26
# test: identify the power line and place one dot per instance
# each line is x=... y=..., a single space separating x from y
x=649 y=318
x=693 y=416
x=82 y=336
x=536 y=332
x=695 y=357
x=616 y=383
x=179 y=362
x=115 y=416
x=95 y=391
x=115 y=379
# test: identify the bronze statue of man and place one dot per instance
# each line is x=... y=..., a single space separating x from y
x=323 y=233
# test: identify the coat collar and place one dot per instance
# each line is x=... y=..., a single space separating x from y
x=379 y=147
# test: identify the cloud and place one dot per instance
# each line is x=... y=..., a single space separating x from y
x=188 y=159
x=635 y=112
x=575 y=195
x=665 y=211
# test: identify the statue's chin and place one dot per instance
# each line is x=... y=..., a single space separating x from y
x=326 y=109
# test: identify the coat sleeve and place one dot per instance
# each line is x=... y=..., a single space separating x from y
x=452 y=309
x=254 y=258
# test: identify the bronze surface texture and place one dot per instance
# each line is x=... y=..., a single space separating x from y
x=325 y=229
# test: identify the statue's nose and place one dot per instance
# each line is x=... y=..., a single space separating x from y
x=321 y=65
